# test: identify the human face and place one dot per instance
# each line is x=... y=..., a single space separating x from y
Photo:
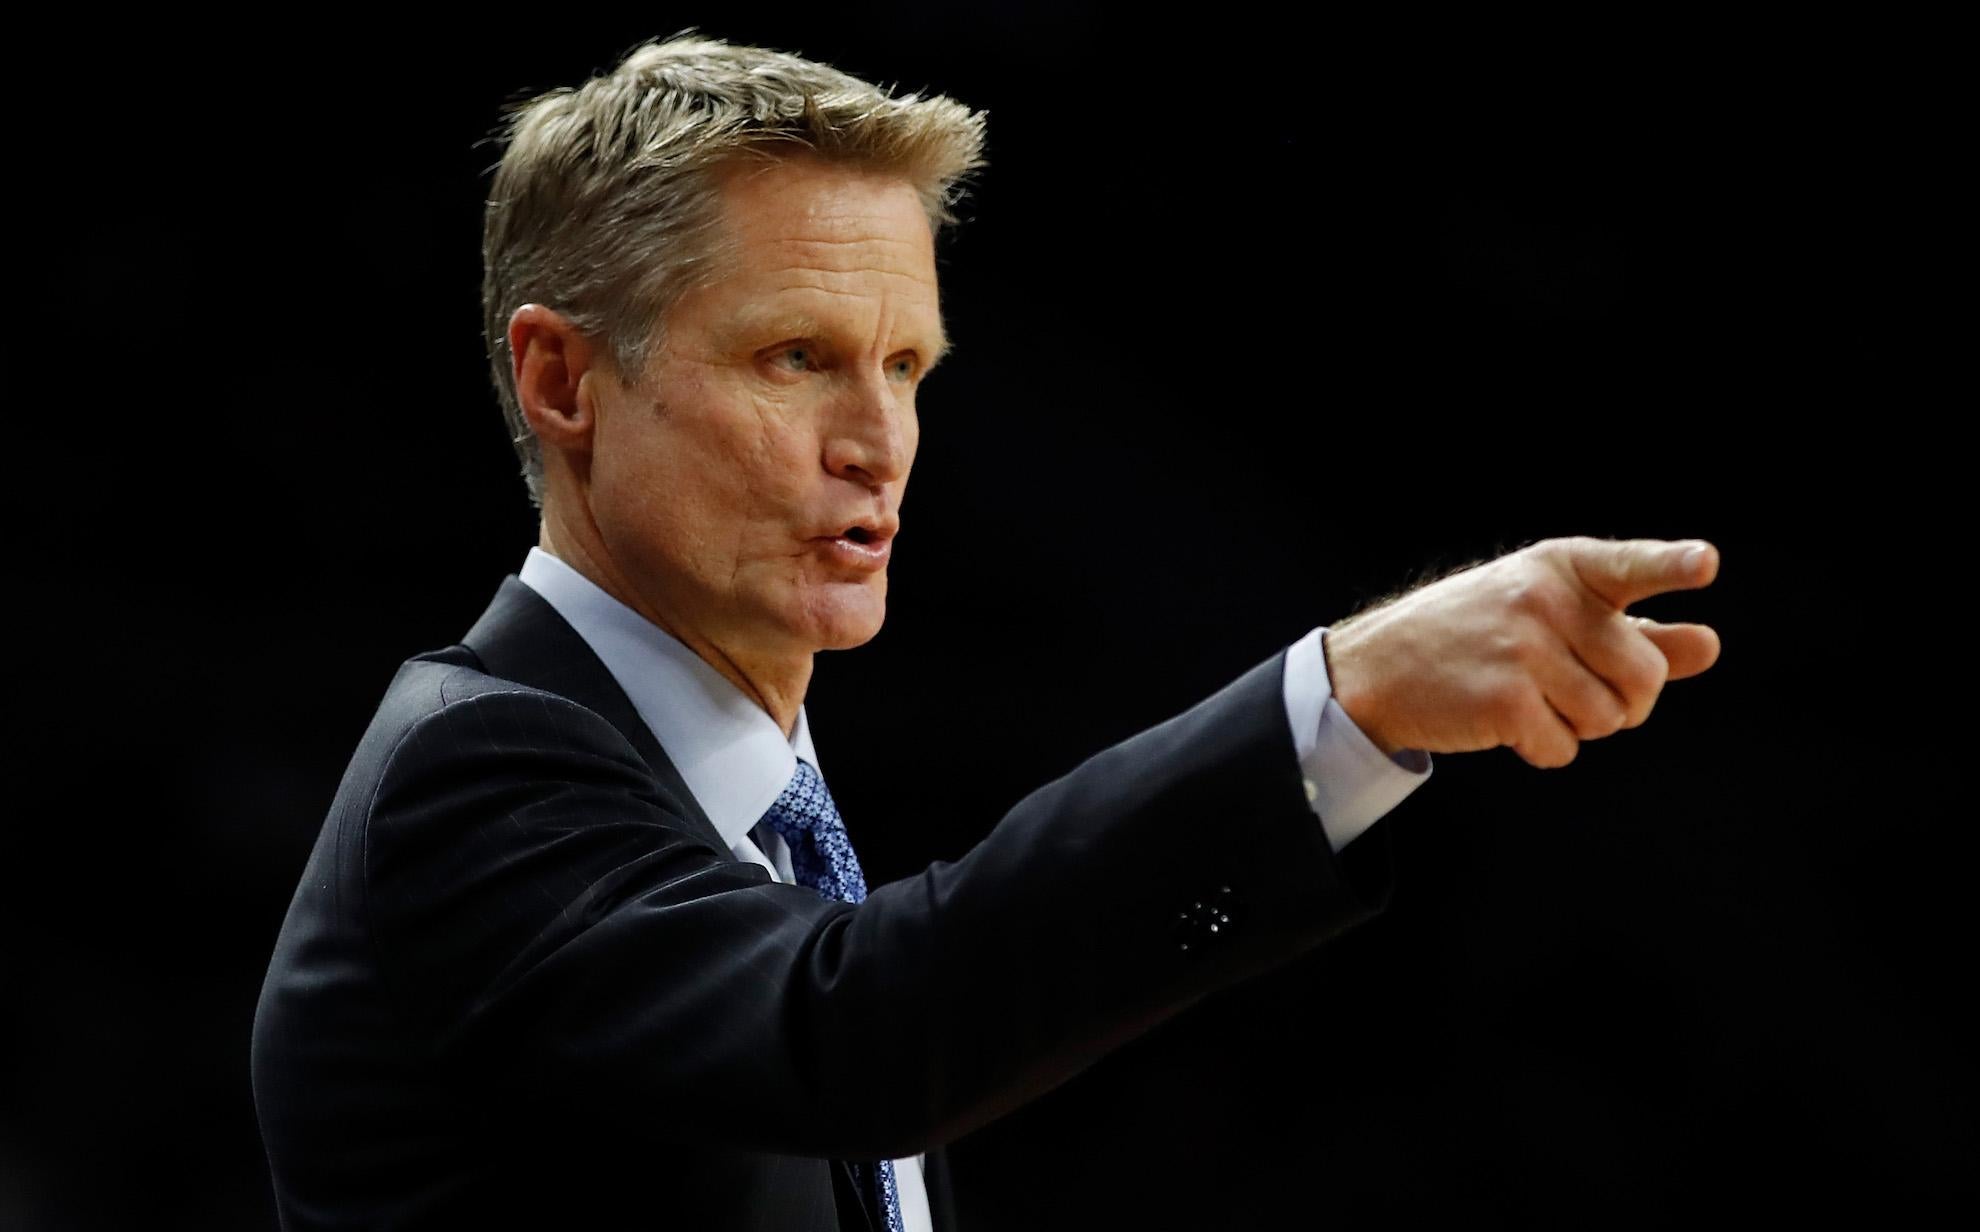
x=750 y=486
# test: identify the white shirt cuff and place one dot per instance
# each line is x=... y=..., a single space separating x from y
x=1350 y=783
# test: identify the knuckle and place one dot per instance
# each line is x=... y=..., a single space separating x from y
x=1639 y=676
x=1638 y=687
x=1650 y=674
x=1649 y=660
x=1513 y=586
x=1508 y=703
x=1534 y=592
x=1635 y=710
x=1506 y=642
x=1598 y=716
x=1527 y=649
x=1549 y=754
x=1648 y=682
x=1584 y=728
x=1545 y=597
x=1543 y=739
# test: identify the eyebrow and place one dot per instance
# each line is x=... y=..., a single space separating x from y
x=757 y=319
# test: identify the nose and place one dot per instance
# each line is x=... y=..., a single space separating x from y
x=870 y=438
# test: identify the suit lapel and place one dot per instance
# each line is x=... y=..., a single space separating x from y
x=522 y=638
x=852 y=1200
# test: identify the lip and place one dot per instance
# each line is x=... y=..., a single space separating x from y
x=863 y=557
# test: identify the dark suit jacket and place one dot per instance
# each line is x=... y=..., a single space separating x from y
x=525 y=983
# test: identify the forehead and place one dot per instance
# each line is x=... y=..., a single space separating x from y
x=805 y=200
x=817 y=238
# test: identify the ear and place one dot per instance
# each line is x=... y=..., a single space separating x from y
x=551 y=361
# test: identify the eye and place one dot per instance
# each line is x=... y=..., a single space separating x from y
x=904 y=367
x=802 y=354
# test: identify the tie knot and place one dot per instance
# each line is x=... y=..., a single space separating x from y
x=821 y=851
x=804 y=803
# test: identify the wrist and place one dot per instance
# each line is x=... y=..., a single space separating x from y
x=1353 y=691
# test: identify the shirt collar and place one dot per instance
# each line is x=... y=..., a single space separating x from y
x=732 y=754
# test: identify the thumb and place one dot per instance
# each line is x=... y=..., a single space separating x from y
x=1688 y=649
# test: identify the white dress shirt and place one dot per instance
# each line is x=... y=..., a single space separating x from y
x=736 y=760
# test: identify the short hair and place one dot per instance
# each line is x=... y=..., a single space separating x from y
x=606 y=205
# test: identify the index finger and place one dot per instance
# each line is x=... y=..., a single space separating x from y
x=1623 y=571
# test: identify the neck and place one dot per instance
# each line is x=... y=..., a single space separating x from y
x=776 y=683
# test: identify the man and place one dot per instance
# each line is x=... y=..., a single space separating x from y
x=584 y=937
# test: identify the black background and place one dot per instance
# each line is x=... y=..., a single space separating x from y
x=1258 y=317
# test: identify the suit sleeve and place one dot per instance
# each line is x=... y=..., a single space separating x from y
x=561 y=942
x=1350 y=782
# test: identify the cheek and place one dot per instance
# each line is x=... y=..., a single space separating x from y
x=756 y=490
x=716 y=480
x=660 y=491
x=778 y=463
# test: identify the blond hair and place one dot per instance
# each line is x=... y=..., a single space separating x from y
x=606 y=205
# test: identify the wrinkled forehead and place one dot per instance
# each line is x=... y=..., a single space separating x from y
x=812 y=240
x=811 y=212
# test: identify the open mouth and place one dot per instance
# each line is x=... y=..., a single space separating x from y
x=861 y=547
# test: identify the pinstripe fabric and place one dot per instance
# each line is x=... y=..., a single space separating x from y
x=523 y=981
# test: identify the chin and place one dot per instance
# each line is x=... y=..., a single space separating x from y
x=841 y=622
x=851 y=641
x=848 y=634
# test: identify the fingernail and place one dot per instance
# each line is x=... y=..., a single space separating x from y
x=1694 y=560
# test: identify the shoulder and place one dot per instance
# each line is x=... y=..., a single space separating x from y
x=452 y=743
x=472 y=783
x=444 y=707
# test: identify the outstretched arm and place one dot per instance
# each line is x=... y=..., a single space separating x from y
x=565 y=944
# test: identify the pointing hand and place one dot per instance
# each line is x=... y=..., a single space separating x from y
x=1533 y=651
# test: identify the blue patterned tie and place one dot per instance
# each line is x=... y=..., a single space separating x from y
x=822 y=859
